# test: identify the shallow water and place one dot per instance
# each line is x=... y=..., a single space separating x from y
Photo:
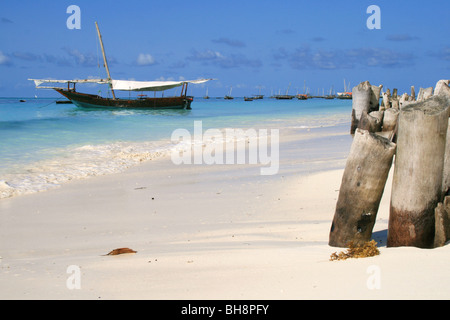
x=44 y=144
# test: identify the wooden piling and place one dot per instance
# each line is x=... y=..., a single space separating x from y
x=362 y=186
x=418 y=173
x=386 y=100
x=375 y=98
x=425 y=93
x=390 y=119
x=371 y=122
x=446 y=175
x=442 y=88
x=442 y=223
x=361 y=97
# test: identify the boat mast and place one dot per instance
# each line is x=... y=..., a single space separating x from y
x=104 y=58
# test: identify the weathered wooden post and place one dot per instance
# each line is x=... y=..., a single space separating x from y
x=446 y=176
x=442 y=88
x=418 y=173
x=362 y=186
x=442 y=223
x=386 y=99
x=390 y=119
x=375 y=98
x=371 y=122
x=361 y=97
x=425 y=93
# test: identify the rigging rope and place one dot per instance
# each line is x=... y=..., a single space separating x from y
x=54 y=101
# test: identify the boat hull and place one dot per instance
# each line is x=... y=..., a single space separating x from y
x=92 y=101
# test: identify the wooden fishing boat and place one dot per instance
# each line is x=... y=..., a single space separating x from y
x=86 y=100
x=344 y=95
x=347 y=94
x=284 y=97
x=229 y=96
x=93 y=101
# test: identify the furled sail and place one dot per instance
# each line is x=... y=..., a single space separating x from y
x=128 y=85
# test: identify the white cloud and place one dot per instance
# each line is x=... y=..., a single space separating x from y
x=145 y=59
x=229 y=61
x=4 y=60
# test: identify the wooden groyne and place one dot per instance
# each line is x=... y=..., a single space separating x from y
x=413 y=133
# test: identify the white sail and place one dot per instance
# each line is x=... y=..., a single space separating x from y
x=128 y=85
x=38 y=82
x=125 y=85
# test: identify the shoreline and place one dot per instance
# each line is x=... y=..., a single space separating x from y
x=206 y=232
x=78 y=162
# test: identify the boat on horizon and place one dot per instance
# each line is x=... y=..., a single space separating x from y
x=86 y=100
x=229 y=96
x=346 y=94
x=285 y=96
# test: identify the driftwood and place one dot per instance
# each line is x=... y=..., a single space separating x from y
x=418 y=174
x=118 y=251
x=362 y=186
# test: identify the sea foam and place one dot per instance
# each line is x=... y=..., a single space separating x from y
x=79 y=163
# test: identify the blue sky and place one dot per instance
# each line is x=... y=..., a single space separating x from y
x=245 y=44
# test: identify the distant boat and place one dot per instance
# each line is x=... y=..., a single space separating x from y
x=346 y=94
x=229 y=96
x=259 y=95
x=285 y=96
x=95 y=101
x=206 y=95
x=248 y=99
x=331 y=95
x=302 y=97
x=22 y=100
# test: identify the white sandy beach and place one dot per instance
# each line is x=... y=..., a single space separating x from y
x=206 y=232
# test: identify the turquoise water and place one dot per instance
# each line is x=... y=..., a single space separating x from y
x=41 y=138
